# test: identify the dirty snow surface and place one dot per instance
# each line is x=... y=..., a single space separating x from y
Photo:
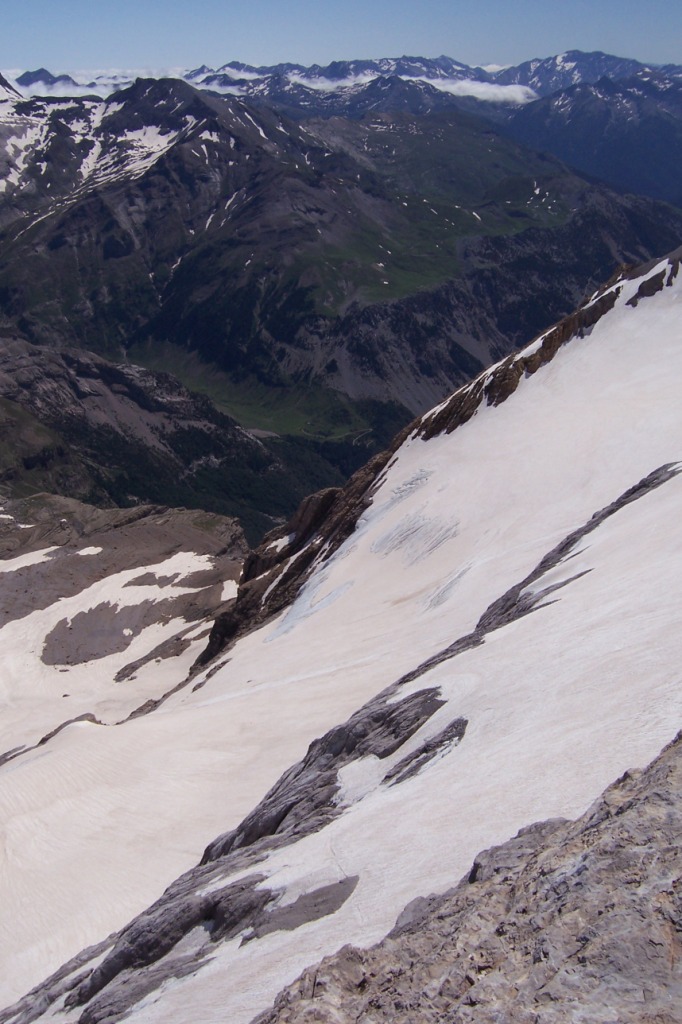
x=558 y=700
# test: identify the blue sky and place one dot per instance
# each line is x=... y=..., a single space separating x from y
x=72 y=34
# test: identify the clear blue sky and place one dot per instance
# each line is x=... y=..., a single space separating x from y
x=71 y=34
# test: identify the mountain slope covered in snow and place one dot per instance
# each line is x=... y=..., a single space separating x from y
x=310 y=86
x=479 y=632
x=565 y=921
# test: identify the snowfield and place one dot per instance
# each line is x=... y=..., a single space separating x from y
x=558 y=701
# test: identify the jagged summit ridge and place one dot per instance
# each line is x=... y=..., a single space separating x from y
x=540 y=77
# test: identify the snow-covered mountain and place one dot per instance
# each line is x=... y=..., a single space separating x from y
x=7 y=90
x=574 y=67
x=515 y=85
x=385 y=258
x=477 y=633
x=52 y=146
x=324 y=279
x=567 y=921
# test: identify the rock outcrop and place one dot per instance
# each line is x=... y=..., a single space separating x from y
x=568 y=921
x=276 y=571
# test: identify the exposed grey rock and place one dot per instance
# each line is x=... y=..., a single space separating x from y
x=519 y=600
x=319 y=527
x=302 y=801
x=177 y=934
x=152 y=935
x=174 y=938
x=436 y=746
x=115 y=540
x=311 y=906
x=17 y=751
x=89 y=544
x=206 y=904
x=568 y=923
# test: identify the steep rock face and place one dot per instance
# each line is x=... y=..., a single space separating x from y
x=567 y=921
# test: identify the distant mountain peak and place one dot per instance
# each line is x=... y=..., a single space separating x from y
x=44 y=77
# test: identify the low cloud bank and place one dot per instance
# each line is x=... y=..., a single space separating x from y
x=331 y=84
x=486 y=91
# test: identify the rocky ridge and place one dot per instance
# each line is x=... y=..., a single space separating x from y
x=569 y=921
x=277 y=570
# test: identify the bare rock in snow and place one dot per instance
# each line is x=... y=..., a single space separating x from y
x=568 y=921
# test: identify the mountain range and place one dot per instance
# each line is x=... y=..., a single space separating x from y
x=321 y=270
x=541 y=77
x=457 y=651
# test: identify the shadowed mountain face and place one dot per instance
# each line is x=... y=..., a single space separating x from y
x=573 y=67
x=416 y=667
x=73 y=423
x=628 y=133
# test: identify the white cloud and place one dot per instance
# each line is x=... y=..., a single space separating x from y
x=61 y=90
x=486 y=91
x=94 y=81
x=331 y=84
x=235 y=73
x=108 y=80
